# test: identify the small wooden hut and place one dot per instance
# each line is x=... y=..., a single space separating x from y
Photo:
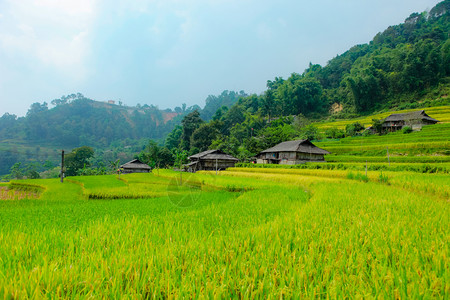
x=135 y=166
x=292 y=153
x=210 y=160
x=416 y=120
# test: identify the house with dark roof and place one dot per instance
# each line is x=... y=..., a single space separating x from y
x=210 y=160
x=135 y=166
x=291 y=153
x=416 y=120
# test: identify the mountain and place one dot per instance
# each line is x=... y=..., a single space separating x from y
x=82 y=121
x=405 y=66
x=76 y=120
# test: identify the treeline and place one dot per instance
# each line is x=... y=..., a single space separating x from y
x=396 y=69
x=393 y=70
x=77 y=120
x=115 y=131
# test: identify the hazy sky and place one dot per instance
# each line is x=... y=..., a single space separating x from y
x=169 y=52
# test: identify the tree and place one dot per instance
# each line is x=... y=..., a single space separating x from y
x=166 y=158
x=151 y=154
x=275 y=84
x=156 y=156
x=310 y=132
x=220 y=113
x=190 y=123
x=78 y=159
x=353 y=129
x=16 y=171
x=180 y=159
x=377 y=125
x=203 y=136
x=233 y=116
x=174 y=138
x=213 y=103
x=300 y=121
x=268 y=104
x=334 y=133
x=365 y=86
x=37 y=108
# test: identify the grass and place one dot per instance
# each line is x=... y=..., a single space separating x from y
x=250 y=233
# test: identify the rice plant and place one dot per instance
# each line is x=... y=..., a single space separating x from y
x=252 y=233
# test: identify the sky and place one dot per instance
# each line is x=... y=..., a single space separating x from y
x=169 y=52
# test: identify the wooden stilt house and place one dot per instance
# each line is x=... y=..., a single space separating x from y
x=292 y=153
x=416 y=120
x=210 y=160
x=135 y=166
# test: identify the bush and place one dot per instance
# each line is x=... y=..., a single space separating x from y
x=407 y=129
x=310 y=132
x=366 y=133
x=353 y=129
x=334 y=133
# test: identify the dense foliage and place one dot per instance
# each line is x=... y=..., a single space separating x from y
x=406 y=66
x=116 y=131
x=395 y=70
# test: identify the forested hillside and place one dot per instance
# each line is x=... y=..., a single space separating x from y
x=75 y=120
x=406 y=66
x=396 y=69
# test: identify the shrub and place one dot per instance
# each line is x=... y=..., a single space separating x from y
x=407 y=129
x=353 y=129
x=334 y=133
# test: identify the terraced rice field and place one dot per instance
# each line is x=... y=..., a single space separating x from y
x=440 y=113
x=430 y=145
x=245 y=233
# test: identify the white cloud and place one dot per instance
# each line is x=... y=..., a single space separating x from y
x=50 y=32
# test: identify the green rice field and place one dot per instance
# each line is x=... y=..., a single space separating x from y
x=427 y=146
x=440 y=113
x=244 y=233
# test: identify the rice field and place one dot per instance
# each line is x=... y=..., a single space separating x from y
x=430 y=145
x=244 y=233
x=440 y=113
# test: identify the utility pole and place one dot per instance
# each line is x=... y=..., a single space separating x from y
x=62 y=166
x=216 y=166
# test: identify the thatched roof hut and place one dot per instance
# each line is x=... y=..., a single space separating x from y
x=210 y=160
x=292 y=152
x=415 y=119
x=135 y=166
